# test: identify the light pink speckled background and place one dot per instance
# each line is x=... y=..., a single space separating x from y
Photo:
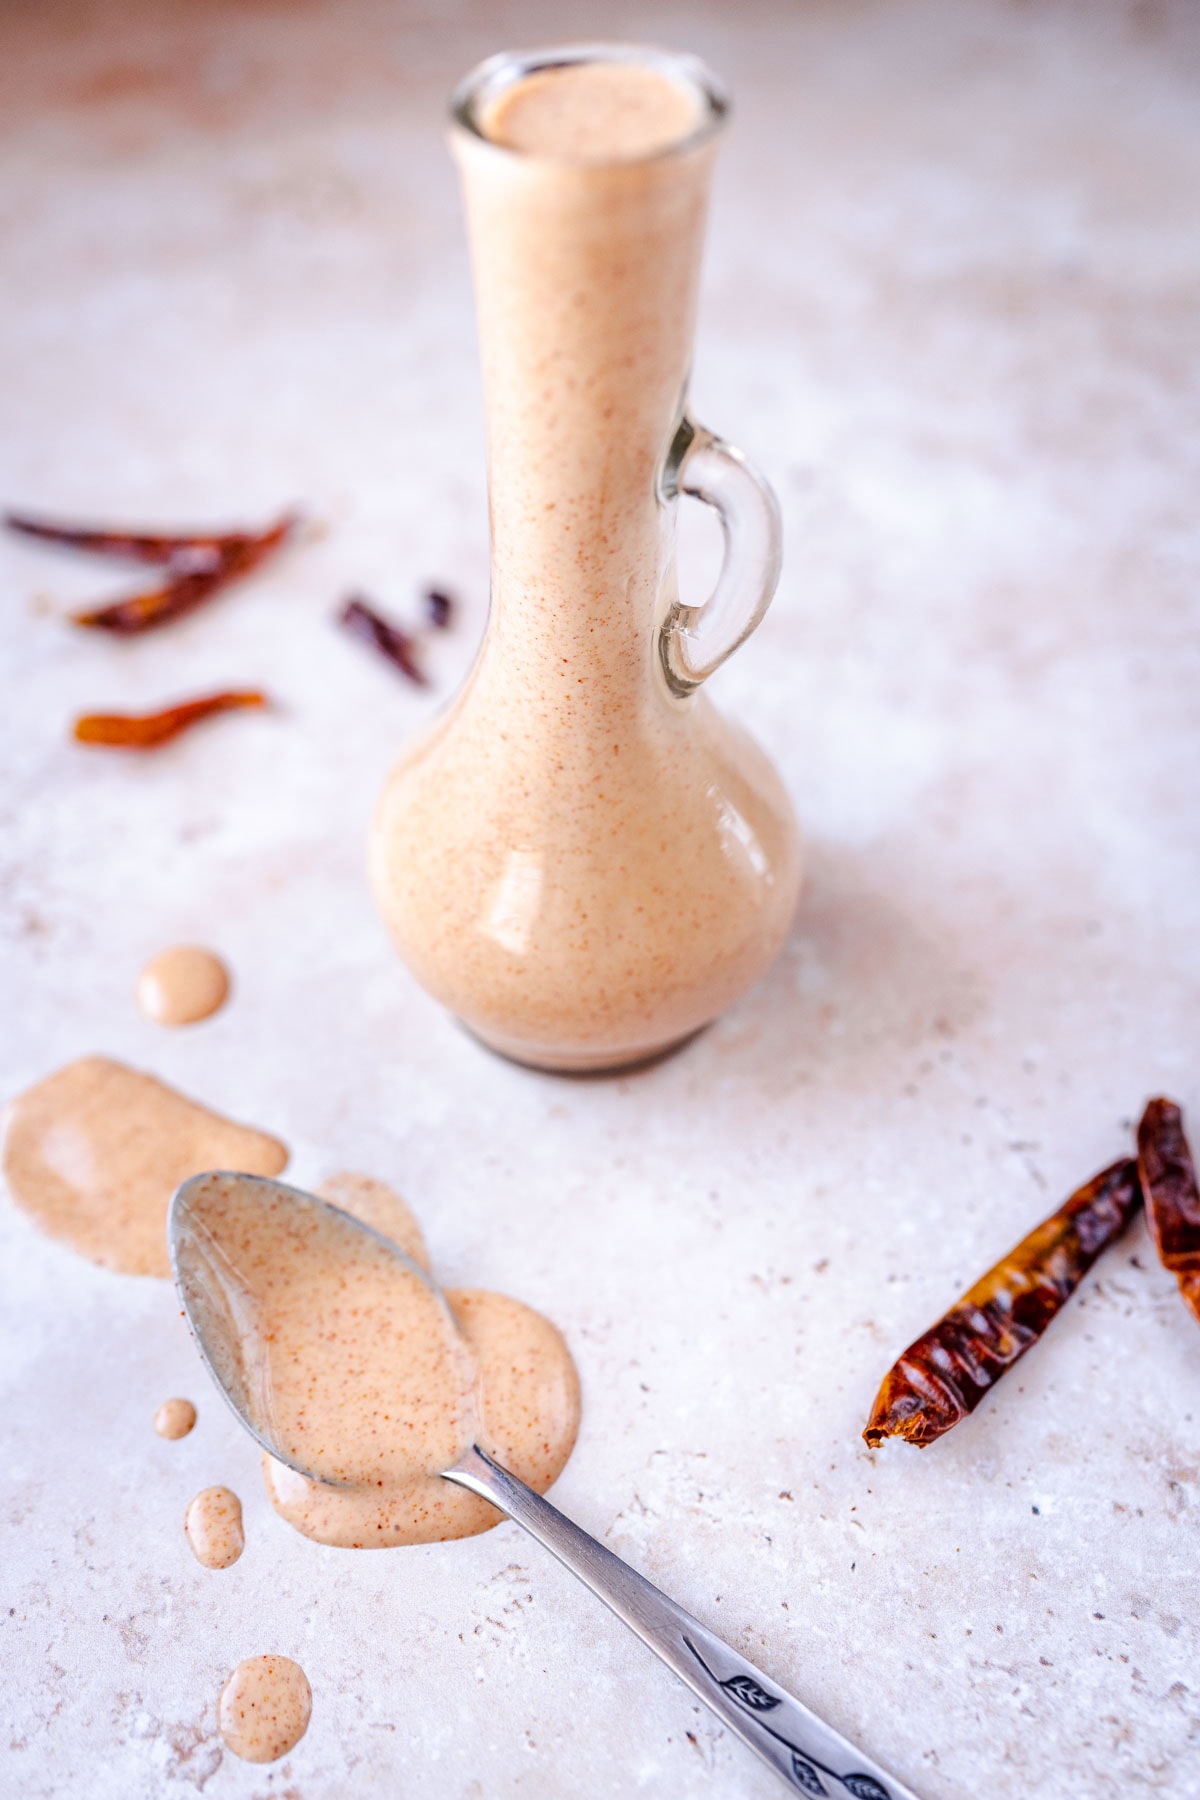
x=951 y=306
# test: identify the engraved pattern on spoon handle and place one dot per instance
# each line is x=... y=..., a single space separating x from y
x=809 y=1755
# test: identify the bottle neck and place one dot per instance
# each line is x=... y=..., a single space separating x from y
x=585 y=282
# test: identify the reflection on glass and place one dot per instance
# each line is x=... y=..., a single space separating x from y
x=513 y=909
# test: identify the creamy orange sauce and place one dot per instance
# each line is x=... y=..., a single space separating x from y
x=379 y=1206
x=181 y=985
x=364 y=1375
x=264 y=1708
x=94 y=1152
x=529 y=1419
x=174 y=1418
x=593 y=112
x=213 y=1523
x=349 y=1356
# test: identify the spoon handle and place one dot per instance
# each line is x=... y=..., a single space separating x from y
x=810 y=1756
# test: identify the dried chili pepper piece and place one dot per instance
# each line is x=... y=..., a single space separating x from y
x=946 y=1373
x=141 y=612
x=360 y=618
x=146 y=731
x=193 y=576
x=439 y=608
x=1168 y=1177
x=130 y=546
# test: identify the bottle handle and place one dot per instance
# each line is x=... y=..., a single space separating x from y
x=695 y=640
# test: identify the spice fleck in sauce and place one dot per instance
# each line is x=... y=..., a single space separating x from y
x=214 y=1528
x=364 y=1374
x=264 y=1708
x=174 y=1418
x=181 y=985
x=94 y=1152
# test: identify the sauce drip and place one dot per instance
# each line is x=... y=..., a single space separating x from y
x=94 y=1152
x=264 y=1708
x=174 y=1418
x=213 y=1524
x=181 y=985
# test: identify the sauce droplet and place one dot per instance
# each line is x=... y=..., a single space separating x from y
x=181 y=985
x=174 y=1418
x=94 y=1152
x=214 y=1528
x=264 y=1708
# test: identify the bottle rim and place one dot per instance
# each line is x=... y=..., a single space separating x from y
x=492 y=77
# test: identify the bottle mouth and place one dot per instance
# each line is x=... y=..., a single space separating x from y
x=479 y=93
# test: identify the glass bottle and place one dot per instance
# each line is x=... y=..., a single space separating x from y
x=582 y=858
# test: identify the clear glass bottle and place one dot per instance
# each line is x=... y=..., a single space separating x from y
x=582 y=859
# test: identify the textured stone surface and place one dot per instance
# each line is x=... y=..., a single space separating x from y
x=951 y=307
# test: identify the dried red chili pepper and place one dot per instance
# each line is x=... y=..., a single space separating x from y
x=130 y=546
x=146 y=731
x=439 y=608
x=196 y=570
x=946 y=1373
x=1168 y=1177
x=364 y=622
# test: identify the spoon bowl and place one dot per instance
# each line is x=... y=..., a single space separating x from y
x=224 y=1286
x=247 y=1311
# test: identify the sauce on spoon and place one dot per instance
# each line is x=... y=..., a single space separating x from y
x=352 y=1364
x=529 y=1393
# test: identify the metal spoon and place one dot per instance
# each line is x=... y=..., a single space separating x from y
x=810 y=1756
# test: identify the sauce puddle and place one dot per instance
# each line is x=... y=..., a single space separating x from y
x=94 y=1152
x=264 y=1708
